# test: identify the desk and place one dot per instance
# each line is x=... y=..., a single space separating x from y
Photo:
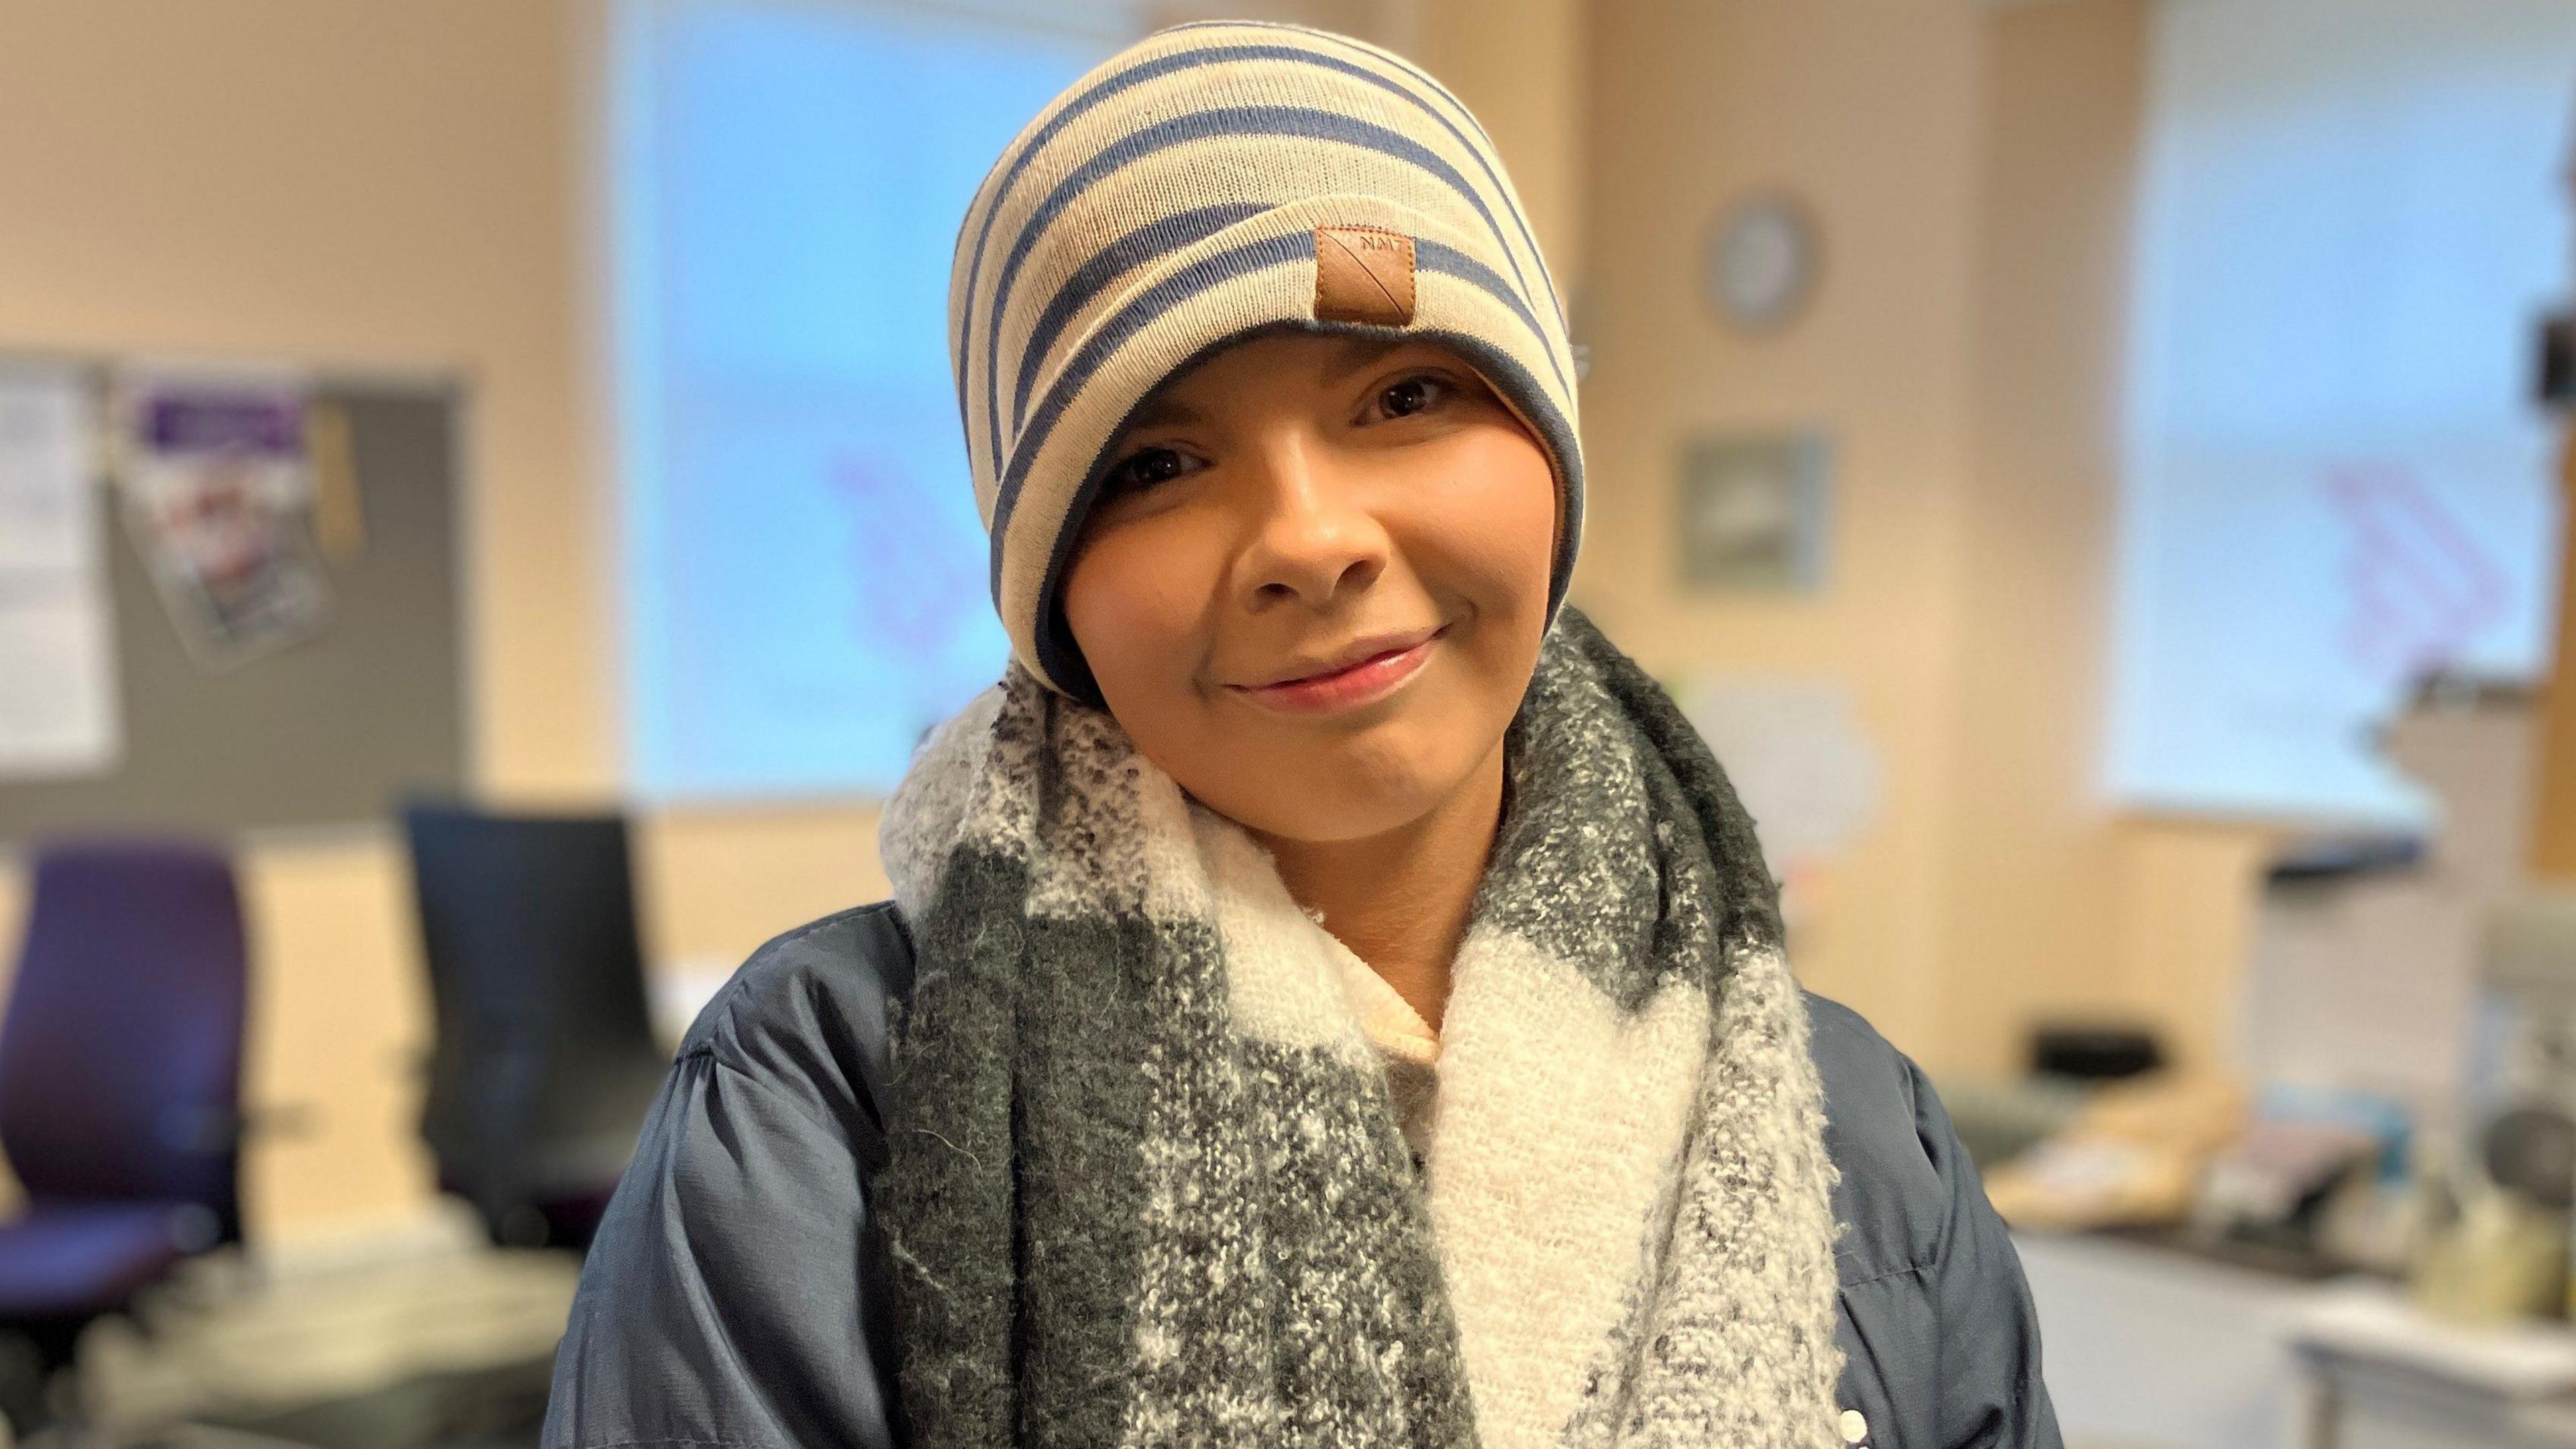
x=2381 y=1376
x=2363 y=1404
x=2151 y=1348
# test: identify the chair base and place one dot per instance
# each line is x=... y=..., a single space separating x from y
x=35 y=1357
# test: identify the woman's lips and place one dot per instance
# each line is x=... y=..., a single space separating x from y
x=1372 y=678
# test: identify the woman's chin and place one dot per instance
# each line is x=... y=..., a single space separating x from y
x=1326 y=801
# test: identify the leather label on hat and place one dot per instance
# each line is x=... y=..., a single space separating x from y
x=1363 y=274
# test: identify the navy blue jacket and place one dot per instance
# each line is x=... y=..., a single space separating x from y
x=736 y=1295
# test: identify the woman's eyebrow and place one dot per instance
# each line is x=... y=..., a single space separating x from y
x=1355 y=353
x=1157 y=411
x=1359 y=352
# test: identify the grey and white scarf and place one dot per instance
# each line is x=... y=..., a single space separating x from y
x=1146 y=1184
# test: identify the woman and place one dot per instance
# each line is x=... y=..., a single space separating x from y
x=1331 y=996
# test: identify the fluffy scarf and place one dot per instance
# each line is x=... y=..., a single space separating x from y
x=1146 y=1184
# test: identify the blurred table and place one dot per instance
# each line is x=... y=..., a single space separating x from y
x=2382 y=1376
x=2149 y=1347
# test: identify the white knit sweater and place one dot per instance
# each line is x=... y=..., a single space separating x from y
x=1409 y=1046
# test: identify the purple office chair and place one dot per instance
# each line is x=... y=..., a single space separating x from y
x=120 y=1084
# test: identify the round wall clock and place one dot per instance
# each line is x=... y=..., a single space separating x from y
x=1760 y=262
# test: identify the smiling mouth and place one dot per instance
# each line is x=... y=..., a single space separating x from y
x=1369 y=672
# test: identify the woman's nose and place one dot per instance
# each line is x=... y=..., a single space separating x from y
x=1314 y=537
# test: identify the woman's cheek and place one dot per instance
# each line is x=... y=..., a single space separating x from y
x=1491 y=529
x=1136 y=599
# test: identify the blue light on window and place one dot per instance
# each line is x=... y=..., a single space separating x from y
x=804 y=574
x=2353 y=217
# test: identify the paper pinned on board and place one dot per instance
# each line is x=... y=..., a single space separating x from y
x=1796 y=754
x=218 y=491
x=59 y=712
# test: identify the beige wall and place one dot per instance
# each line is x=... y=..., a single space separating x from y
x=1970 y=167
x=2553 y=846
x=2029 y=860
x=1868 y=115
x=2054 y=905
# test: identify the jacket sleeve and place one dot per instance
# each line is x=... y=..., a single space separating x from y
x=733 y=1296
x=1992 y=1396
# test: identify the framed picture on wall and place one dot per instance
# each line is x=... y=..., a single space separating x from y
x=1752 y=511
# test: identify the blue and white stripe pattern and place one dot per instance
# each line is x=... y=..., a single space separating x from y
x=1166 y=204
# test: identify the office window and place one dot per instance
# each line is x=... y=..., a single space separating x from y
x=804 y=576
x=2354 y=214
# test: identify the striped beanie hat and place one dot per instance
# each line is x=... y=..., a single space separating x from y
x=1212 y=181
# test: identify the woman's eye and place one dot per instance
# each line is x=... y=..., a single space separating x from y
x=1419 y=393
x=1147 y=467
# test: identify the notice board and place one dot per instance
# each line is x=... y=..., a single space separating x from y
x=334 y=729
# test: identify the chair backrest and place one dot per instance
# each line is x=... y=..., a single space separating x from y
x=545 y=1057
x=121 y=1054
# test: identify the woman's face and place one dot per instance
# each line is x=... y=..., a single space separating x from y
x=1314 y=582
